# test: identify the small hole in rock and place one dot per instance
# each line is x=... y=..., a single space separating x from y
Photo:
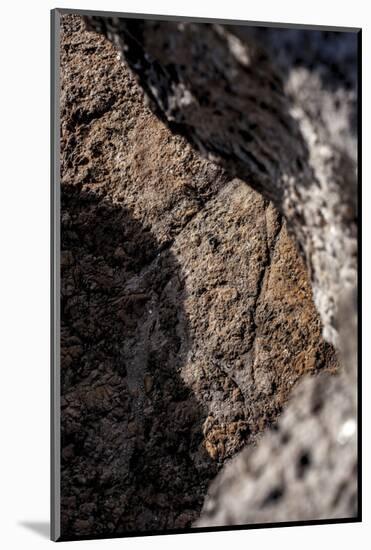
x=274 y=496
x=303 y=464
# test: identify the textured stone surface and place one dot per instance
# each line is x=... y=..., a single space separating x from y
x=187 y=314
x=304 y=469
x=268 y=121
x=314 y=474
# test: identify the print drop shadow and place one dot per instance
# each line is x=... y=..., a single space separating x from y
x=41 y=528
x=132 y=454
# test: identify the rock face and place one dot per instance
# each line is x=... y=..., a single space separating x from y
x=314 y=445
x=187 y=313
x=304 y=469
x=277 y=128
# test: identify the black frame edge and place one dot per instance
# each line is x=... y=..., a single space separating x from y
x=159 y=17
x=359 y=271
x=54 y=279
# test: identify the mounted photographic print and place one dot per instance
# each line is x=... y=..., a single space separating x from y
x=205 y=190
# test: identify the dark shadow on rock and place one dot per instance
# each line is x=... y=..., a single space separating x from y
x=132 y=444
x=41 y=528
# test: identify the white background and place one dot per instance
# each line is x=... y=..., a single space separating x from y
x=24 y=271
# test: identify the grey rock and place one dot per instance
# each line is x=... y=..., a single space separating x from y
x=304 y=469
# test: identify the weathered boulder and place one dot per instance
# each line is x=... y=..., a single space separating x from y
x=304 y=469
x=187 y=313
x=276 y=108
x=272 y=124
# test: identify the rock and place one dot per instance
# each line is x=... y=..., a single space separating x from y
x=66 y=258
x=286 y=128
x=148 y=383
x=68 y=452
x=304 y=469
x=83 y=526
x=187 y=299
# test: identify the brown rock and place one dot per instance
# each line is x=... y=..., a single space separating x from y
x=148 y=383
x=181 y=277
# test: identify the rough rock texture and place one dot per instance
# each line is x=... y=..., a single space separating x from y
x=187 y=314
x=314 y=444
x=304 y=469
x=274 y=127
x=319 y=71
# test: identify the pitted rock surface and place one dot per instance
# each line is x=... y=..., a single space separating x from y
x=257 y=102
x=304 y=469
x=187 y=312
